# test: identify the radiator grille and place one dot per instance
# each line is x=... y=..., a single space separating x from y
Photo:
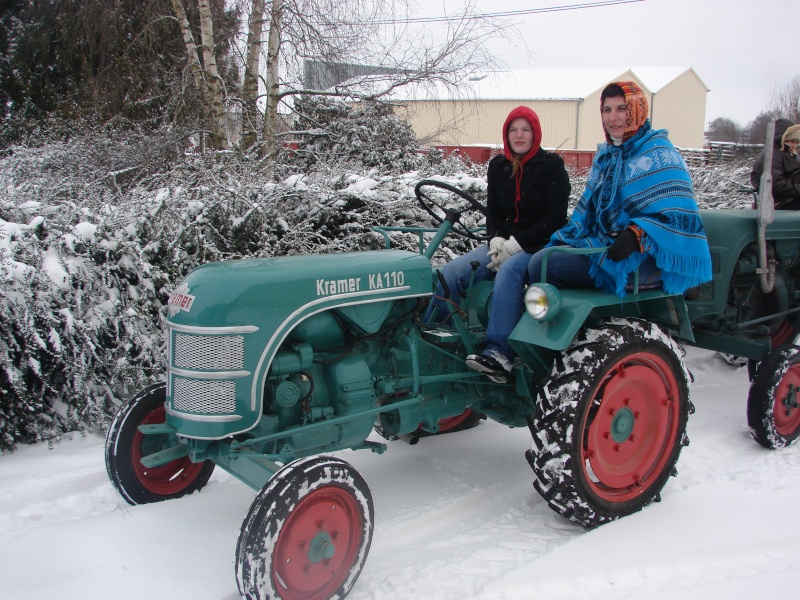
x=707 y=289
x=203 y=395
x=209 y=352
x=715 y=262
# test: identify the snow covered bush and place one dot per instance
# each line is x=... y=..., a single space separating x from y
x=334 y=133
x=96 y=231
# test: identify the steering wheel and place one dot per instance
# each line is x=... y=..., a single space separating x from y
x=441 y=211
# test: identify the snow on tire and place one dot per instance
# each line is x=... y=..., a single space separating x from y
x=612 y=422
x=126 y=446
x=307 y=534
x=773 y=412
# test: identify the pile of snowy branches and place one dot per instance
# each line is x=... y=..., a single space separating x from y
x=96 y=232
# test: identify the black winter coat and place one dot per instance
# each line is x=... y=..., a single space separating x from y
x=544 y=198
x=784 y=166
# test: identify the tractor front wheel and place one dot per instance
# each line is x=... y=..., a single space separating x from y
x=612 y=423
x=126 y=445
x=773 y=411
x=307 y=534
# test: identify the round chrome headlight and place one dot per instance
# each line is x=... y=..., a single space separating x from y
x=542 y=301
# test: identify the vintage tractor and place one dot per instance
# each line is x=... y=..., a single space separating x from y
x=275 y=362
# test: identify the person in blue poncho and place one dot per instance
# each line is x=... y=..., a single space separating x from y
x=639 y=202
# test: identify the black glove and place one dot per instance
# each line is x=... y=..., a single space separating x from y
x=625 y=245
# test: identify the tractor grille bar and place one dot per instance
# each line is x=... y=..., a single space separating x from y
x=203 y=395
x=208 y=352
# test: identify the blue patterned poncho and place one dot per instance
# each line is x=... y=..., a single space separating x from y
x=642 y=182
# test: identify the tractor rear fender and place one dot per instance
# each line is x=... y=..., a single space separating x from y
x=535 y=341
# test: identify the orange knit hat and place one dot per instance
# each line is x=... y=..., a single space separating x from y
x=636 y=105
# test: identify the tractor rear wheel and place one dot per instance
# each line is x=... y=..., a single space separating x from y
x=126 y=445
x=612 y=422
x=307 y=534
x=773 y=412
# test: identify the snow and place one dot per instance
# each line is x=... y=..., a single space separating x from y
x=86 y=231
x=55 y=269
x=456 y=518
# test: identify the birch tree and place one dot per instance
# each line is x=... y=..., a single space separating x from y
x=281 y=35
x=250 y=120
x=378 y=34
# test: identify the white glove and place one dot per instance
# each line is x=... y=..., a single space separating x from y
x=495 y=246
x=510 y=247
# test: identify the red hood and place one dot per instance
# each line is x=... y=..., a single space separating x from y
x=532 y=118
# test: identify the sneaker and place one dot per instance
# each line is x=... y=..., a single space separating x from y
x=495 y=365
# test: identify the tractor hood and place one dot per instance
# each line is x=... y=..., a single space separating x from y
x=227 y=320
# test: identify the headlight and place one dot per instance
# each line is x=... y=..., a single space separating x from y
x=542 y=301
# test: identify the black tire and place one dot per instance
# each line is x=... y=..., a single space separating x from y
x=773 y=413
x=126 y=445
x=786 y=333
x=307 y=534
x=612 y=422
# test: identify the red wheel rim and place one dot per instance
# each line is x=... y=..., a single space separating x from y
x=167 y=479
x=782 y=335
x=449 y=423
x=318 y=545
x=785 y=411
x=628 y=434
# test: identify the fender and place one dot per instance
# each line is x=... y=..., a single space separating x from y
x=532 y=339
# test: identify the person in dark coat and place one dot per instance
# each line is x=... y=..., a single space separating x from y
x=785 y=165
x=527 y=199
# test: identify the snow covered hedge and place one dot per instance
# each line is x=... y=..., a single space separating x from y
x=96 y=232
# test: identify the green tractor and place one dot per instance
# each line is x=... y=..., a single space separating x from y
x=275 y=363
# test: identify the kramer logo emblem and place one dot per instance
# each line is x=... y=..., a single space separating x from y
x=180 y=300
x=375 y=281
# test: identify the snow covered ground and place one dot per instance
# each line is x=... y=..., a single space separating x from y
x=456 y=518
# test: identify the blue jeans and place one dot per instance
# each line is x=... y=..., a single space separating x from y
x=457 y=274
x=572 y=270
x=507 y=303
x=507 y=298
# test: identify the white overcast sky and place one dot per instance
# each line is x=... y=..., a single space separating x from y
x=742 y=49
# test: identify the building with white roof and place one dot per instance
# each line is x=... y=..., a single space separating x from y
x=566 y=100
